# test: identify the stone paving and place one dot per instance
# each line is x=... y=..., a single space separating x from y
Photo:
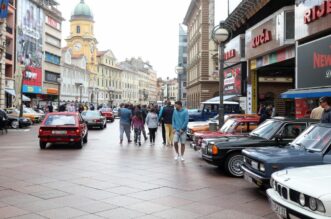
x=107 y=180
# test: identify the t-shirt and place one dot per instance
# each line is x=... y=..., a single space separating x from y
x=125 y=116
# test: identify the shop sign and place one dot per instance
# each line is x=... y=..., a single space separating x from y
x=52 y=91
x=317 y=12
x=263 y=38
x=53 y=23
x=314 y=63
x=233 y=78
x=230 y=54
x=301 y=108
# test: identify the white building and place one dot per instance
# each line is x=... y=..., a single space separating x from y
x=75 y=77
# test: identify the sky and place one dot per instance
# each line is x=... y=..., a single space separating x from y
x=139 y=28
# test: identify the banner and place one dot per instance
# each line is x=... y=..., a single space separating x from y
x=4 y=9
x=30 y=29
x=232 y=80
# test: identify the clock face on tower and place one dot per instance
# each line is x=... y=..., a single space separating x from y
x=77 y=46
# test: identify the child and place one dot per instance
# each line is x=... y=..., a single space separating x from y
x=152 y=122
x=137 y=124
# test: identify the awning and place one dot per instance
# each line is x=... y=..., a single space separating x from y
x=12 y=92
x=307 y=93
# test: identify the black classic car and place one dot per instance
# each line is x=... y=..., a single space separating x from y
x=14 y=121
x=226 y=151
x=312 y=147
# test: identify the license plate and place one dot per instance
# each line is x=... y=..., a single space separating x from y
x=279 y=210
x=248 y=178
x=59 y=132
x=255 y=165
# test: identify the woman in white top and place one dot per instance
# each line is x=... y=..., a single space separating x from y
x=152 y=122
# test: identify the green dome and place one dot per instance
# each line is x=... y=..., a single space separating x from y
x=82 y=10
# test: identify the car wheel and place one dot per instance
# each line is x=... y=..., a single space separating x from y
x=105 y=126
x=102 y=127
x=112 y=120
x=42 y=145
x=14 y=124
x=80 y=143
x=233 y=165
x=85 y=138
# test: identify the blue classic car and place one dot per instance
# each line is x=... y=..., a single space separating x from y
x=311 y=147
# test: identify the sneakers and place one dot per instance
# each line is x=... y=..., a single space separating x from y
x=182 y=158
x=139 y=144
x=177 y=157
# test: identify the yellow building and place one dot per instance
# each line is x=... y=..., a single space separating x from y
x=83 y=43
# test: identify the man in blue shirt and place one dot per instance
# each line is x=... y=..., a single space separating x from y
x=125 y=115
x=179 y=123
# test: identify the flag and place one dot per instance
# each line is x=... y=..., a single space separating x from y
x=4 y=8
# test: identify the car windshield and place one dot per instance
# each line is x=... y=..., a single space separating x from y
x=28 y=110
x=228 y=126
x=105 y=110
x=55 y=120
x=267 y=129
x=314 y=138
x=91 y=113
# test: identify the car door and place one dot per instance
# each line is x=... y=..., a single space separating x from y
x=82 y=125
x=290 y=131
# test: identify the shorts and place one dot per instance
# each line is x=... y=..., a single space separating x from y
x=180 y=137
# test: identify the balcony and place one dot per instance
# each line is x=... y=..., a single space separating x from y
x=9 y=30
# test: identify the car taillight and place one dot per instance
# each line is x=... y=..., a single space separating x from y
x=98 y=120
x=41 y=131
x=77 y=131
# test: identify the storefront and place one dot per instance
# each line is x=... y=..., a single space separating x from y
x=313 y=72
x=270 y=53
x=235 y=71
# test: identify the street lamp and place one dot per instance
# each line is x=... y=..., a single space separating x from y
x=59 y=81
x=220 y=36
x=179 y=71
x=97 y=90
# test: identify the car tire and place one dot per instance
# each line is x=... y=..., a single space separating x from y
x=102 y=127
x=85 y=139
x=232 y=165
x=105 y=126
x=15 y=124
x=42 y=145
x=80 y=143
x=112 y=120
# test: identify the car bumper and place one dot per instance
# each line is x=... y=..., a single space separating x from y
x=25 y=124
x=195 y=146
x=212 y=160
x=254 y=178
x=292 y=211
x=60 y=139
x=91 y=124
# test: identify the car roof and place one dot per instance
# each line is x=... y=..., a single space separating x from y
x=326 y=125
x=287 y=119
x=64 y=113
x=246 y=119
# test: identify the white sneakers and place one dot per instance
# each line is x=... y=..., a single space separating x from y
x=177 y=157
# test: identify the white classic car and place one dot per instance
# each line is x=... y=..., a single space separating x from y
x=301 y=192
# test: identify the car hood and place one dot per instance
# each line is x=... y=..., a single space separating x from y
x=240 y=141
x=193 y=124
x=313 y=180
x=91 y=117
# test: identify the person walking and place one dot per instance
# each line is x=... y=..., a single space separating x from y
x=326 y=105
x=144 y=112
x=179 y=123
x=125 y=122
x=162 y=122
x=317 y=113
x=137 y=126
x=152 y=122
x=167 y=114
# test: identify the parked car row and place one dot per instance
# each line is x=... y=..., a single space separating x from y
x=280 y=155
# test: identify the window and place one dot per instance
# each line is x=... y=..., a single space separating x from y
x=292 y=131
x=289 y=25
x=184 y=84
x=53 y=41
x=52 y=58
x=51 y=76
x=78 y=29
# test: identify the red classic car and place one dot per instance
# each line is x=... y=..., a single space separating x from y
x=63 y=127
x=108 y=114
x=232 y=127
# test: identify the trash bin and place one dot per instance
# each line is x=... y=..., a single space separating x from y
x=213 y=126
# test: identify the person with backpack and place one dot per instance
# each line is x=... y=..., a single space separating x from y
x=167 y=113
x=152 y=123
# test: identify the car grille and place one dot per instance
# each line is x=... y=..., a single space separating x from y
x=281 y=190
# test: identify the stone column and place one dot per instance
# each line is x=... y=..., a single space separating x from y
x=2 y=64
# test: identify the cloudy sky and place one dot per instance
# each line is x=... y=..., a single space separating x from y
x=139 y=28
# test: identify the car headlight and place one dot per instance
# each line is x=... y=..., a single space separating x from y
x=244 y=159
x=312 y=204
x=272 y=183
x=262 y=167
x=302 y=199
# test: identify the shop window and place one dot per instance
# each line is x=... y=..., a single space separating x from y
x=289 y=25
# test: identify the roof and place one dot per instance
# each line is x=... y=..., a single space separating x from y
x=82 y=10
x=101 y=53
x=63 y=113
x=189 y=12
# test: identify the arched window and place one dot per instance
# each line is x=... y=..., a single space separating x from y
x=78 y=29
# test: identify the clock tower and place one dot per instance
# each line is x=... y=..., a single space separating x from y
x=81 y=39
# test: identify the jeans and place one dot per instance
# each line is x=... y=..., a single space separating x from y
x=125 y=128
x=137 y=135
x=144 y=132
x=169 y=133
x=163 y=132
x=152 y=132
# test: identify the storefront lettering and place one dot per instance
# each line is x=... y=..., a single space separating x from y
x=317 y=12
x=322 y=60
x=230 y=54
x=262 y=38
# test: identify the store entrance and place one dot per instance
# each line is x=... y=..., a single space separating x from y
x=272 y=81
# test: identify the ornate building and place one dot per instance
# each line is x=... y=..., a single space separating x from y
x=83 y=42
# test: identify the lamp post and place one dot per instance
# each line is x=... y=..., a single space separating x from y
x=20 y=72
x=220 y=36
x=59 y=81
x=179 y=71
x=97 y=90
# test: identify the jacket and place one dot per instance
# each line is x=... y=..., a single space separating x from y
x=326 y=117
x=317 y=113
x=167 y=113
x=152 y=120
x=180 y=120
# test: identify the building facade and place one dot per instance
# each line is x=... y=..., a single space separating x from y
x=74 y=87
x=199 y=20
x=182 y=65
x=83 y=43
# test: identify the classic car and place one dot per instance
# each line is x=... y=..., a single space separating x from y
x=311 y=147
x=115 y=113
x=200 y=126
x=108 y=114
x=93 y=118
x=235 y=126
x=18 y=122
x=39 y=116
x=226 y=151
x=301 y=192
x=32 y=116
x=63 y=127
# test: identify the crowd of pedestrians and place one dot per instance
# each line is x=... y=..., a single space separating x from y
x=173 y=119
